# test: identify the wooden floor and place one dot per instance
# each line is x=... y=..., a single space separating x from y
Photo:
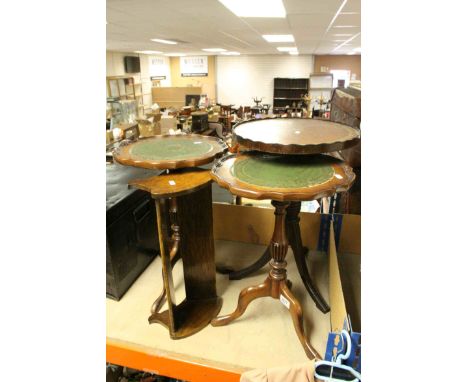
x=264 y=337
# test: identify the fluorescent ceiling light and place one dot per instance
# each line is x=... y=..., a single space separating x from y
x=214 y=50
x=147 y=52
x=287 y=48
x=230 y=53
x=294 y=53
x=350 y=53
x=255 y=8
x=348 y=40
x=175 y=54
x=357 y=49
x=278 y=37
x=336 y=15
x=163 y=41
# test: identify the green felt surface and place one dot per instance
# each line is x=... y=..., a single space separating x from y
x=170 y=149
x=282 y=171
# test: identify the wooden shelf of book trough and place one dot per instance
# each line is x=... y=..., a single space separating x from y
x=224 y=353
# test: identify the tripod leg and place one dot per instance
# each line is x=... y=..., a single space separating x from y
x=295 y=241
x=295 y=310
x=245 y=298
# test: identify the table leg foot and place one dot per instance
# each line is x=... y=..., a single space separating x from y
x=245 y=298
x=299 y=251
x=295 y=310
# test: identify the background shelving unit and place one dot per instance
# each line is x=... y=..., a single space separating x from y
x=321 y=85
x=125 y=88
x=288 y=90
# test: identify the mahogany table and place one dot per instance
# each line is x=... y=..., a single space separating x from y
x=293 y=136
x=185 y=223
x=283 y=179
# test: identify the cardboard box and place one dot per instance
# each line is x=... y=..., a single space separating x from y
x=345 y=299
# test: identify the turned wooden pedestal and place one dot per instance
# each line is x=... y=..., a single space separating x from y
x=185 y=229
x=293 y=233
x=276 y=284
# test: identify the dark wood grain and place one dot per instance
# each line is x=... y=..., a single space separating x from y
x=197 y=245
x=295 y=136
x=191 y=228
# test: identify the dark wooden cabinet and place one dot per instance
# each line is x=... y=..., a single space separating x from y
x=131 y=244
x=287 y=91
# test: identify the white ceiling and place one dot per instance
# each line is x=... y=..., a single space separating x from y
x=202 y=24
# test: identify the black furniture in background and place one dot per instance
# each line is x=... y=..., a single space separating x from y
x=288 y=90
x=131 y=232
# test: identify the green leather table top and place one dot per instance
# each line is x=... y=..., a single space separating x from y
x=283 y=171
x=170 y=149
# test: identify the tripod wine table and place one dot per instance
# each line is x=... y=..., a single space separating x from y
x=283 y=179
x=293 y=136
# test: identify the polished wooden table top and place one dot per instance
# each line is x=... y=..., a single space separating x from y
x=181 y=182
x=284 y=178
x=170 y=151
x=295 y=135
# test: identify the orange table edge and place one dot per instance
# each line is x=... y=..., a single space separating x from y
x=125 y=355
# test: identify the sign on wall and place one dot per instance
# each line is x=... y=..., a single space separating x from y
x=195 y=66
x=157 y=67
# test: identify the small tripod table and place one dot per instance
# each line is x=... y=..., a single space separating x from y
x=283 y=179
x=185 y=223
x=289 y=136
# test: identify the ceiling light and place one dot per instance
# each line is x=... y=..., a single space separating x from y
x=357 y=49
x=350 y=53
x=348 y=40
x=336 y=15
x=163 y=41
x=230 y=53
x=175 y=54
x=255 y=8
x=293 y=52
x=214 y=50
x=147 y=52
x=287 y=48
x=278 y=37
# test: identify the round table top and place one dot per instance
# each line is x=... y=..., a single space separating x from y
x=170 y=151
x=295 y=135
x=256 y=175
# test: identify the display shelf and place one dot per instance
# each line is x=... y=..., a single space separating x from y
x=288 y=90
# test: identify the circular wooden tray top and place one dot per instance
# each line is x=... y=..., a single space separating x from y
x=284 y=178
x=295 y=135
x=170 y=151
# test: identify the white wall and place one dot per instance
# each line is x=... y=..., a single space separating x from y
x=240 y=78
x=115 y=67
